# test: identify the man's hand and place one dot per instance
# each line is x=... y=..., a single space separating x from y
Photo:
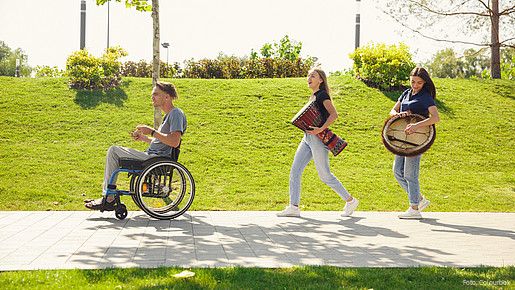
x=144 y=129
x=138 y=136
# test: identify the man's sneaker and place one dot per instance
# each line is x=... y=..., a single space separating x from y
x=292 y=211
x=350 y=207
x=423 y=204
x=410 y=214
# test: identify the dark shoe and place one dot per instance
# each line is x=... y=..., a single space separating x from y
x=100 y=204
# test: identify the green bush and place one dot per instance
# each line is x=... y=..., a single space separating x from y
x=383 y=66
x=278 y=60
x=232 y=67
x=88 y=72
x=48 y=71
x=143 y=69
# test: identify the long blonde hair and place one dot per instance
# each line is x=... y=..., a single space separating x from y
x=325 y=85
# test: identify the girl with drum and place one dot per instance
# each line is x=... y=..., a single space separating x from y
x=419 y=99
x=311 y=147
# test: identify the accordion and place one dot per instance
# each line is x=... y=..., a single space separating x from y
x=310 y=115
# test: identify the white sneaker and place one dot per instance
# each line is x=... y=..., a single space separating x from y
x=423 y=204
x=350 y=206
x=291 y=211
x=410 y=214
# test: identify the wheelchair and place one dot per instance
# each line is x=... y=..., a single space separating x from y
x=160 y=186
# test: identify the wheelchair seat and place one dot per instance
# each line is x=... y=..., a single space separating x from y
x=135 y=164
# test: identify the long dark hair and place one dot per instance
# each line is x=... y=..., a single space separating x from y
x=428 y=82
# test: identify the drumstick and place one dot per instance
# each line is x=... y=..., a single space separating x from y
x=392 y=138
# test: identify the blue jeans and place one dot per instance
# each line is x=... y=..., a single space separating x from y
x=406 y=170
x=311 y=147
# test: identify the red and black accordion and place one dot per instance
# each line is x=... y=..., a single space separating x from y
x=310 y=115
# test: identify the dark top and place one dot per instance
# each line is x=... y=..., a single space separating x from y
x=418 y=103
x=320 y=97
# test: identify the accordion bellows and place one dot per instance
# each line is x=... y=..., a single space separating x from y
x=310 y=115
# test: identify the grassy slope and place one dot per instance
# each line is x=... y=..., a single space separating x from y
x=239 y=145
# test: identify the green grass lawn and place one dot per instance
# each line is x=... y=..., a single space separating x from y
x=239 y=144
x=309 y=277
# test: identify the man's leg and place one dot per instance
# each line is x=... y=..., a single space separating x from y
x=114 y=154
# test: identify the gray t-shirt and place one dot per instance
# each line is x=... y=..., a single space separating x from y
x=175 y=120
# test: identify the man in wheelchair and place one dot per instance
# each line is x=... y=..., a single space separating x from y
x=163 y=142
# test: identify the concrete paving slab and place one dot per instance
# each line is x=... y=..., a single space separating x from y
x=92 y=240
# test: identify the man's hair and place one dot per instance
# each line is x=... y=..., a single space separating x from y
x=168 y=89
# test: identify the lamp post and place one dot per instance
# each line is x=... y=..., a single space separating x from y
x=82 y=24
x=108 y=23
x=358 y=22
x=17 y=70
x=166 y=45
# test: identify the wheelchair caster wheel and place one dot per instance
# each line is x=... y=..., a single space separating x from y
x=121 y=212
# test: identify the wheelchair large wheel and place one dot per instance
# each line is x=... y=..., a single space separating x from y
x=132 y=188
x=165 y=190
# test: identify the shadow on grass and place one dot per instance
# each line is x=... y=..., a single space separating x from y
x=442 y=107
x=505 y=90
x=88 y=99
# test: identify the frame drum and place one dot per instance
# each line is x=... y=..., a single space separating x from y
x=399 y=143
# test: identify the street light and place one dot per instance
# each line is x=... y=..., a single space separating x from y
x=358 y=20
x=166 y=45
x=17 y=70
x=108 y=23
x=82 y=24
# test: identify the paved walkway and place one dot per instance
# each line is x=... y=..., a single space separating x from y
x=64 y=240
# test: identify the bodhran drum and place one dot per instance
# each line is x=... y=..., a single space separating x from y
x=399 y=143
x=310 y=115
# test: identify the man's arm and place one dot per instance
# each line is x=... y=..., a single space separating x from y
x=172 y=139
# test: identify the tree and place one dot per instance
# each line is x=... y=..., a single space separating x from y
x=142 y=5
x=445 y=20
x=446 y=64
x=8 y=59
x=285 y=49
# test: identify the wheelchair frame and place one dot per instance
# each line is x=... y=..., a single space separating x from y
x=148 y=177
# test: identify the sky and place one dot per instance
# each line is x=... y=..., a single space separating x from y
x=49 y=31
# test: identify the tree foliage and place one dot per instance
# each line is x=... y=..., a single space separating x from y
x=140 y=5
x=284 y=49
x=8 y=59
x=446 y=63
x=489 y=24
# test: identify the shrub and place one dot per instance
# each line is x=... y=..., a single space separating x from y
x=382 y=66
x=143 y=69
x=48 y=71
x=88 y=72
x=278 y=60
x=230 y=67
